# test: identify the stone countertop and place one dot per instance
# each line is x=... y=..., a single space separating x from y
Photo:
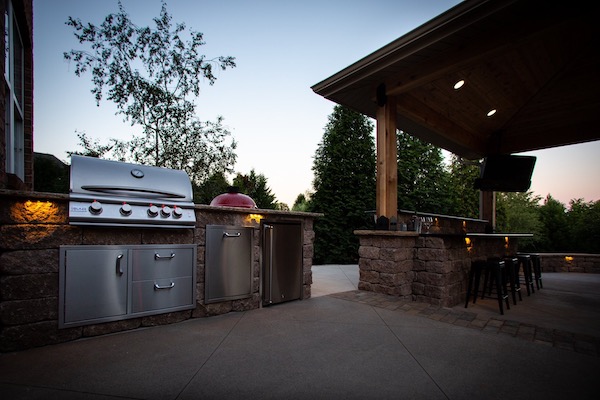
x=265 y=211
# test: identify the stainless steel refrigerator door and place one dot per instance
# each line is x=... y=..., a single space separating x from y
x=282 y=261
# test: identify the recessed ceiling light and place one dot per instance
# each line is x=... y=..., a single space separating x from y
x=491 y=112
x=459 y=84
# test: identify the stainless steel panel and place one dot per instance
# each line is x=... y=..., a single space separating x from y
x=282 y=261
x=95 y=176
x=161 y=262
x=96 y=283
x=93 y=284
x=114 y=193
x=162 y=294
x=228 y=263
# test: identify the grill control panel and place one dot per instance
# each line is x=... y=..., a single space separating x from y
x=94 y=212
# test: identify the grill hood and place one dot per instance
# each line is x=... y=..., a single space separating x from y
x=114 y=193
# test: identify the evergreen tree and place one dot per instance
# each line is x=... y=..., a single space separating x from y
x=464 y=198
x=213 y=186
x=344 y=185
x=422 y=179
x=301 y=203
x=255 y=186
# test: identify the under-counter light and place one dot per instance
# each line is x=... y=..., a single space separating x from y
x=491 y=112
x=459 y=84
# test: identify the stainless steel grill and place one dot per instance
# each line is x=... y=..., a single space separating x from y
x=113 y=193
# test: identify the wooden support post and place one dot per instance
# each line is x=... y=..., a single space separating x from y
x=387 y=164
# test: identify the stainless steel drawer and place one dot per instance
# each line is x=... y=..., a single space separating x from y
x=156 y=263
x=162 y=294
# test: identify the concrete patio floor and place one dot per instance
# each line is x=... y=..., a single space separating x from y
x=340 y=344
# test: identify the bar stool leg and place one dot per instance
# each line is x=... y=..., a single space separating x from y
x=525 y=264
x=537 y=270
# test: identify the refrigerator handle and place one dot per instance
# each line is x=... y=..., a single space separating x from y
x=269 y=234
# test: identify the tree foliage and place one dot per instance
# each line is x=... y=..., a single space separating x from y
x=518 y=213
x=422 y=179
x=583 y=226
x=463 y=197
x=344 y=185
x=255 y=186
x=210 y=188
x=153 y=76
x=302 y=202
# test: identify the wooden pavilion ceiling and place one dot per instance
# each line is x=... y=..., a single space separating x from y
x=535 y=62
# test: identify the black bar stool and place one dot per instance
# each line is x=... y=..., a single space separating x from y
x=525 y=266
x=494 y=269
x=511 y=269
x=537 y=270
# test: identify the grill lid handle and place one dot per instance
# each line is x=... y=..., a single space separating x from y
x=125 y=190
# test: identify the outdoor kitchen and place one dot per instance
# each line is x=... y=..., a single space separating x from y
x=128 y=248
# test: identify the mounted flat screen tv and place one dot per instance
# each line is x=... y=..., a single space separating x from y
x=506 y=173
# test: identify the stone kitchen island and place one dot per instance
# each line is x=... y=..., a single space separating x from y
x=34 y=226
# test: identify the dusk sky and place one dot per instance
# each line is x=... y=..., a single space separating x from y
x=282 y=48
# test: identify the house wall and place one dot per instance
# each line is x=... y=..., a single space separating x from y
x=24 y=14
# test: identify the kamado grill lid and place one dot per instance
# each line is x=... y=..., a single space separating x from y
x=233 y=199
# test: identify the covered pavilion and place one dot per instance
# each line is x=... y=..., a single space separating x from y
x=484 y=78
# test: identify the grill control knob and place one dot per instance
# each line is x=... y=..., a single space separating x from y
x=165 y=211
x=125 y=209
x=95 y=208
x=153 y=211
x=177 y=212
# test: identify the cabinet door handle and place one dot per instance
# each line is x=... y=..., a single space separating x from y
x=159 y=257
x=158 y=287
x=119 y=268
x=237 y=234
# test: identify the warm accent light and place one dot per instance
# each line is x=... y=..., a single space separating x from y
x=568 y=259
x=35 y=211
x=491 y=112
x=250 y=218
x=469 y=244
x=459 y=84
x=506 y=242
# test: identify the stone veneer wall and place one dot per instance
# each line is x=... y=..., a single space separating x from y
x=34 y=225
x=425 y=268
x=569 y=262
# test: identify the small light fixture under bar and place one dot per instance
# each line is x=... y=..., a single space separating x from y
x=459 y=84
x=491 y=112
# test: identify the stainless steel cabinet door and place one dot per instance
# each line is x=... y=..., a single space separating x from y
x=93 y=284
x=228 y=263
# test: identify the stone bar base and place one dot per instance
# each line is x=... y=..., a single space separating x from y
x=425 y=268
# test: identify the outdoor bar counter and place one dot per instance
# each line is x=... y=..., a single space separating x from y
x=430 y=266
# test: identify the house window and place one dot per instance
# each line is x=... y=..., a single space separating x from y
x=14 y=101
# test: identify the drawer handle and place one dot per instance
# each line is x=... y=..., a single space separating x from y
x=158 y=287
x=237 y=234
x=159 y=257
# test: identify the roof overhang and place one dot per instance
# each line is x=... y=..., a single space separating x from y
x=535 y=62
